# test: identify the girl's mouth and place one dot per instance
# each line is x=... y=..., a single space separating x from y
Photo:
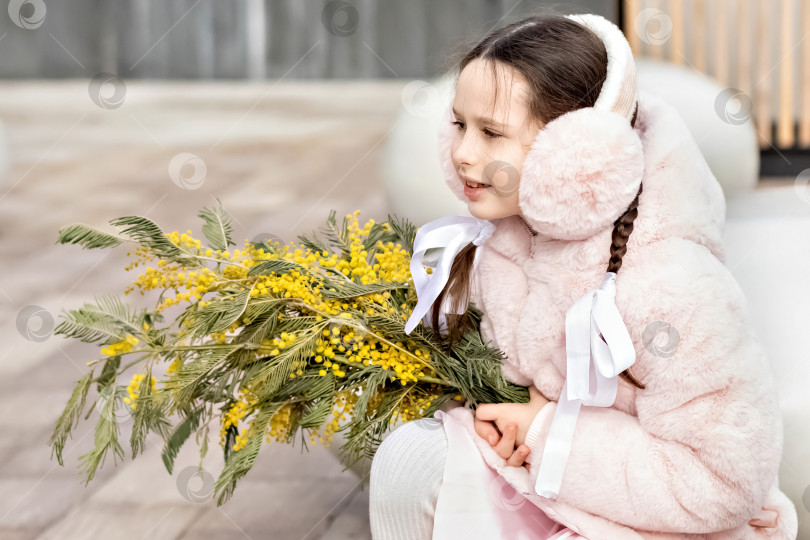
x=473 y=190
x=475 y=185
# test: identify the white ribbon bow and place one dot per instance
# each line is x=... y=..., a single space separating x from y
x=591 y=361
x=448 y=234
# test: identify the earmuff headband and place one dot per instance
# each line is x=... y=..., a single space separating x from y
x=619 y=92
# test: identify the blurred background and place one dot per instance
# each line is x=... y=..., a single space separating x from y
x=285 y=110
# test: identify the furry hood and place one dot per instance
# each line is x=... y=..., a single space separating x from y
x=681 y=197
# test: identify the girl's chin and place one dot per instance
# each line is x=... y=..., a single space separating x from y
x=479 y=211
x=483 y=212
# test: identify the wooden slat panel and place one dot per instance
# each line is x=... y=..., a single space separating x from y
x=763 y=86
x=744 y=48
x=785 y=134
x=178 y=51
x=369 y=37
x=340 y=57
x=678 y=53
x=265 y=38
x=158 y=47
x=656 y=49
x=319 y=55
x=298 y=54
x=632 y=8
x=407 y=44
x=64 y=26
x=699 y=32
x=229 y=29
x=137 y=41
x=302 y=15
x=804 y=30
x=721 y=56
x=108 y=37
x=204 y=24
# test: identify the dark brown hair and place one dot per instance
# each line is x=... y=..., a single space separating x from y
x=564 y=64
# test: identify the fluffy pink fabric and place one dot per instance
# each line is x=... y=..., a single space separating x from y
x=696 y=453
x=582 y=172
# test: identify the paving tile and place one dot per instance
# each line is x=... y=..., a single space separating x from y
x=17 y=534
x=353 y=522
x=34 y=457
x=35 y=502
x=281 y=510
x=123 y=522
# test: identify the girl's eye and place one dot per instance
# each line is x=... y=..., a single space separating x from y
x=487 y=132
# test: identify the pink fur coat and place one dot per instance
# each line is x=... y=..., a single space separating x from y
x=696 y=453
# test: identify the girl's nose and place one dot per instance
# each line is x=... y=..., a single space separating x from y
x=465 y=151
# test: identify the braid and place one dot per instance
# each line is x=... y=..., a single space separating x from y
x=622 y=228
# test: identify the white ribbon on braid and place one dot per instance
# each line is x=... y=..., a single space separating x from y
x=449 y=235
x=598 y=349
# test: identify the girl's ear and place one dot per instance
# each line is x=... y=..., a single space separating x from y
x=582 y=172
x=447 y=132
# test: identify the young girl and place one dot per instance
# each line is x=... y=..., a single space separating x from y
x=560 y=158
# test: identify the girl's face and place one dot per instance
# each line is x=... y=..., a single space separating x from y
x=491 y=143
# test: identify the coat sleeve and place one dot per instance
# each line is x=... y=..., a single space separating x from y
x=706 y=443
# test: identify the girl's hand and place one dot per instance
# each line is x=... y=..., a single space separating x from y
x=512 y=420
x=504 y=446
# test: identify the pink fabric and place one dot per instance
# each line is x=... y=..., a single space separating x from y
x=696 y=454
x=476 y=502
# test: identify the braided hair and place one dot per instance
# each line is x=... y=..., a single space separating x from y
x=622 y=228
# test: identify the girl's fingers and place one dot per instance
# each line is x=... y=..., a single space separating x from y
x=486 y=430
x=506 y=446
x=519 y=456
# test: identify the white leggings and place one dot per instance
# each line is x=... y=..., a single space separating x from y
x=406 y=475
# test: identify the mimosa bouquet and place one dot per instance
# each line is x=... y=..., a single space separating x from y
x=271 y=339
